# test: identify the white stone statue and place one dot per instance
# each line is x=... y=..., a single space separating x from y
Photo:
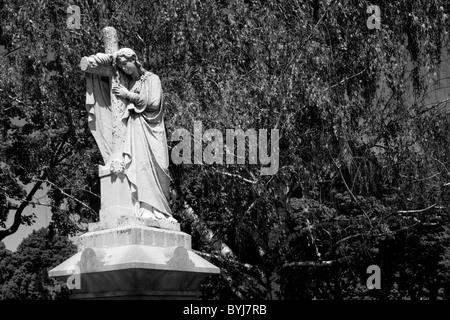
x=132 y=140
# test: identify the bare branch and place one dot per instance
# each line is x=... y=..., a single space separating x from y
x=417 y=211
x=236 y=176
x=440 y=162
x=18 y=214
x=12 y=98
x=255 y=273
x=67 y=195
x=346 y=79
x=308 y=264
x=434 y=106
x=39 y=203
x=225 y=250
x=422 y=179
x=38 y=183
x=12 y=51
x=350 y=191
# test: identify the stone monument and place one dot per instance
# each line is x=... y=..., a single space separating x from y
x=136 y=250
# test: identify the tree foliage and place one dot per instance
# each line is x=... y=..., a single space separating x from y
x=24 y=272
x=363 y=176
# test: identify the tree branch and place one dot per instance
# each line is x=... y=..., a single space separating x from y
x=18 y=214
x=236 y=176
x=417 y=211
x=12 y=98
x=308 y=264
x=12 y=51
x=67 y=195
x=346 y=79
x=350 y=191
x=255 y=273
x=29 y=198
x=434 y=106
x=209 y=235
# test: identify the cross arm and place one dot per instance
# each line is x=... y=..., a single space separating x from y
x=99 y=64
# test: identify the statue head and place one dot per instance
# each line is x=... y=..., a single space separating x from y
x=126 y=60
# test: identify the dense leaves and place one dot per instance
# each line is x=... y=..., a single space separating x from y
x=24 y=272
x=364 y=140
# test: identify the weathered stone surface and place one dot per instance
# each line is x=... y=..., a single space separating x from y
x=135 y=256
x=116 y=198
x=134 y=234
x=135 y=262
x=127 y=220
x=139 y=284
x=136 y=272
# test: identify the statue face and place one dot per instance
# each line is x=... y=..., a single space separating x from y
x=127 y=66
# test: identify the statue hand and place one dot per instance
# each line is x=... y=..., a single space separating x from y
x=120 y=91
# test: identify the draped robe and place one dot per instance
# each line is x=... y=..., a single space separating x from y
x=145 y=150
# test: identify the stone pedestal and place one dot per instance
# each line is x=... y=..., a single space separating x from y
x=135 y=260
x=116 y=198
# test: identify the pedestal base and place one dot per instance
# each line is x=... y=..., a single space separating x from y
x=116 y=197
x=135 y=284
x=123 y=220
x=133 y=261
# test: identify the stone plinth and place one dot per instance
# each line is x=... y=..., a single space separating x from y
x=122 y=221
x=116 y=198
x=135 y=261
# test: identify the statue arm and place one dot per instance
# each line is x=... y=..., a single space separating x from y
x=100 y=64
x=149 y=99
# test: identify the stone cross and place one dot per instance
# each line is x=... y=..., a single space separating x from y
x=111 y=44
x=115 y=190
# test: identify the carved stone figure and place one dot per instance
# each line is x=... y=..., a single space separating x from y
x=128 y=126
x=136 y=236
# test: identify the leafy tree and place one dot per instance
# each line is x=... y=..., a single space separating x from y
x=363 y=175
x=6 y=267
x=24 y=273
